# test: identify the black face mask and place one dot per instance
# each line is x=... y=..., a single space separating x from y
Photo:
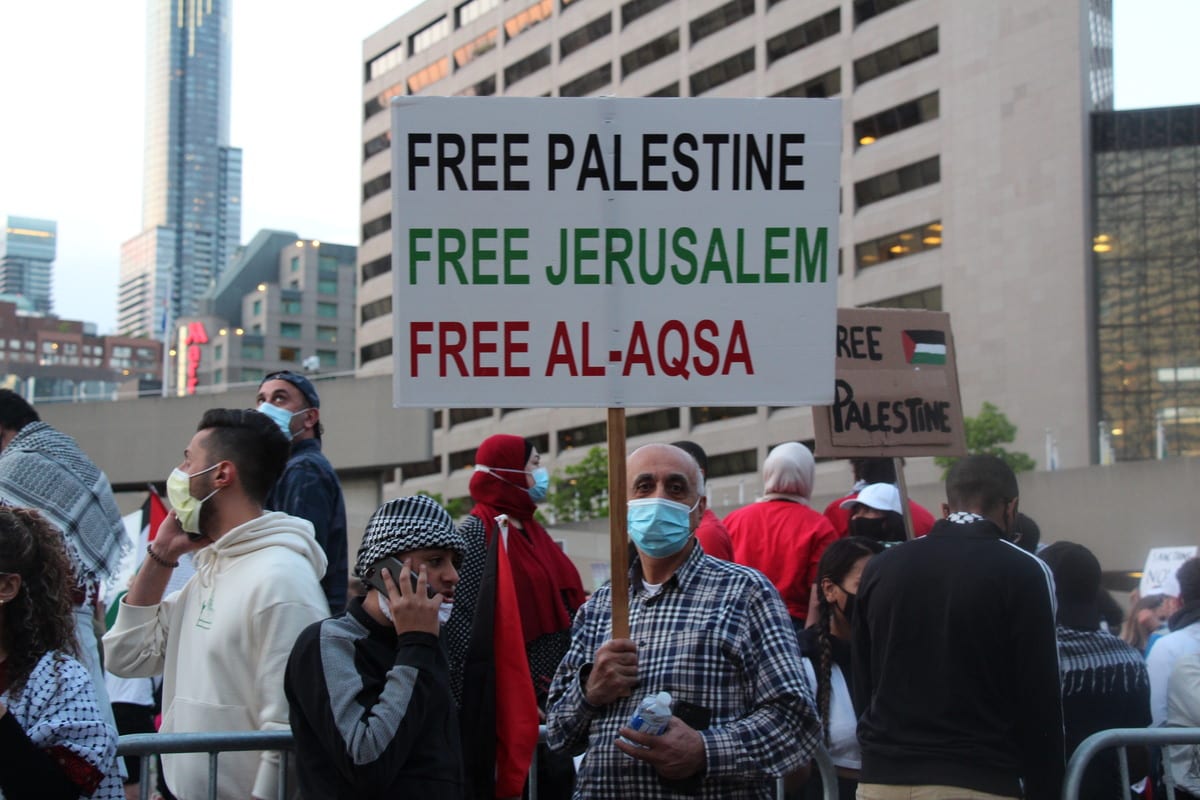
x=847 y=608
x=881 y=529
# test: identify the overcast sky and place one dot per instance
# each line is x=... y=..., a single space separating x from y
x=72 y=83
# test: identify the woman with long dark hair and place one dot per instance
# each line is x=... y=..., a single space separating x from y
x=826 y=650
x=55 y=741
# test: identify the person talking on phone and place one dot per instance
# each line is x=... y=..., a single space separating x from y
x=371 y=706
x=713 y=634
x=222 y=641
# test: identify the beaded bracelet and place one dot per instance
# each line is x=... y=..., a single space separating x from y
x=162 y=562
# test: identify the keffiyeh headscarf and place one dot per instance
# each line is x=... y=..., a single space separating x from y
x=405 y=524
x=44 y=469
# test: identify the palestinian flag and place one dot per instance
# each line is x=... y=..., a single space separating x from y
x=925 y=347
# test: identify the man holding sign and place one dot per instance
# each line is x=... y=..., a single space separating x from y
x=712 y=634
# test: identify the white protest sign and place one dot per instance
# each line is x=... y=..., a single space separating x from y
x=1158 y=576
x=614 y=252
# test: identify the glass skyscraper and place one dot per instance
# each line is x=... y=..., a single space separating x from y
x=191 y=212
x=27 y=260
x=1146 y=258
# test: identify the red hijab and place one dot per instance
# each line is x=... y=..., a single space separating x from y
x=546 y=581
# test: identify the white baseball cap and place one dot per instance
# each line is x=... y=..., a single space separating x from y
x=879 y=496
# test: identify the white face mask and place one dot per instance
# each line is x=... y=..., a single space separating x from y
x=444 y=610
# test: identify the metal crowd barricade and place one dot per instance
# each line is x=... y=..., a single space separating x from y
x=147 y=744
x=1121 y=738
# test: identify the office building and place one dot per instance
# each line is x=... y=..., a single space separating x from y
x=1146 y=254
x=27 y=261
x=965 y=184
x=192 y=181
x=283 y=303
x=47 y=359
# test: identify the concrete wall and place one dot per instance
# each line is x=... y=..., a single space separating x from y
x=139 y=441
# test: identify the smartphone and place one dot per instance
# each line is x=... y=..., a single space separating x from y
x=374 y=576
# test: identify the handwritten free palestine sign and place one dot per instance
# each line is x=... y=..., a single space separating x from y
x=614 y=252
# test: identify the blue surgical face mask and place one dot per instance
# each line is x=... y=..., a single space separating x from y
x=281 y=417
x=541 y=480
x=659 y=527
x=541 y=484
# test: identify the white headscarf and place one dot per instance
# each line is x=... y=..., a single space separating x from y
x=788 y=473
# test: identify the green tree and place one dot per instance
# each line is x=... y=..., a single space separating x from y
x=985 y=435
x=581 y=491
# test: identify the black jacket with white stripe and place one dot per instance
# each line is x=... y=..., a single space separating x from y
x=955 y=665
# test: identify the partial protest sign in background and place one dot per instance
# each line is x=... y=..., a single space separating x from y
x=896 y=390
x=610 y=252
x=1158 y=575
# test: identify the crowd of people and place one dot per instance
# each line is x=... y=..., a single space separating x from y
x=961 y=660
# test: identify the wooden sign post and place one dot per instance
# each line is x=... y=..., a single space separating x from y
x=616 y=523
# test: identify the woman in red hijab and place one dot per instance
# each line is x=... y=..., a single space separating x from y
x=547 y=584
x=509 y=480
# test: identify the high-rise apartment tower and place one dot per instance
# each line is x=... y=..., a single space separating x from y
x=191 y=212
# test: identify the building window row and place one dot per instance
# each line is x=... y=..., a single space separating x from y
x=869 y=130
x=867 y=9
x=428 y=36
x=460 y=416
x=385 y=61
x=581 y=37
x=588 y=82
x=718 y=19
x=670 y=90
x=527 y=66
x=702 y=414
x=472 y=50
x=376 y=308
x=377 y=226
x=375 y=351
x=741 y=462
x=429 y=75
x=327 y=310
x=722 y=72
x=525 y=19
x=373 y=269
x=893 y=57
x=377 y=185
x=420 y=469
x=485 y=88
x=803 y=35
x=472 y=10
x=650 y=52
x=908 y=242
x=927 y=299
x=827 y=85
x=636 y=9
x=897 y=181
x=380 y=101
x=377 y=144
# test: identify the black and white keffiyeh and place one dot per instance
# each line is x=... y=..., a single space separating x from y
x=58 y=712
x=1097 y=662
x=964 y=518
x=404 y=524
x=45 y=470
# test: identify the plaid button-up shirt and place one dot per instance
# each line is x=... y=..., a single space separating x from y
x=717 y=636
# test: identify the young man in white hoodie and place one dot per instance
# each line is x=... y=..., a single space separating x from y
x=222 y=641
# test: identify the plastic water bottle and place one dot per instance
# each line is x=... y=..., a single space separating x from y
x=652 y=716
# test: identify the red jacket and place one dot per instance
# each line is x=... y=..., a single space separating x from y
x=783 y=540
x=713 y=537
x=840 y=517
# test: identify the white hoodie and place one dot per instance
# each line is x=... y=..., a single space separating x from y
x=222 y=643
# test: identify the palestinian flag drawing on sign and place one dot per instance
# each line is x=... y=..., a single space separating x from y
x=925 y=347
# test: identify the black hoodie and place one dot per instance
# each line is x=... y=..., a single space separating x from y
x=955 y=666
